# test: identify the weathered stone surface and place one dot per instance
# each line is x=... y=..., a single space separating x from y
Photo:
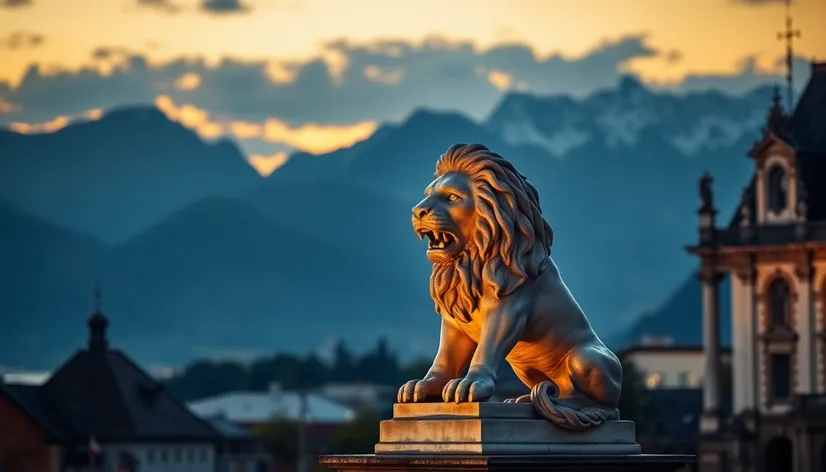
x=494 y=428
x=470 y=410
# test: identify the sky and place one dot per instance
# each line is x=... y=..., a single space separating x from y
x=315 y=75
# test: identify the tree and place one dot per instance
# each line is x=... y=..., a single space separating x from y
x=359 y=436
x=280 y=438
x=205 y=379
x=343 y=362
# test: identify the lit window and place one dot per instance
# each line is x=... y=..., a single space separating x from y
x=654 y=380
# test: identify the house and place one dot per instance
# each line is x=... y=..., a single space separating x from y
x=100 y=411
x=774 y=252
x=239 y=449
x=254 y=410
x=670 y=367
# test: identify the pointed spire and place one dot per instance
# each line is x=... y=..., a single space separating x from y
x=777 y=119
x=97 y=325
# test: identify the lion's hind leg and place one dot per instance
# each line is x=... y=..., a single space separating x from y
x=596 y=378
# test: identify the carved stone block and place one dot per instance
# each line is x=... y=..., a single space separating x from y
x=494 y=428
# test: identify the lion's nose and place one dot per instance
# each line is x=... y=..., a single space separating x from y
x=420 y=212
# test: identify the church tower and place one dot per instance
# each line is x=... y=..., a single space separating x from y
x=774 y=251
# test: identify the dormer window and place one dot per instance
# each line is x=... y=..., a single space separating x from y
x=778 y=187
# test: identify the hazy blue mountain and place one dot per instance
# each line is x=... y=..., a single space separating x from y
x=679 y=317
x=219 y=265
x=214 y=279
x=621 y=209
x=48 y=274
x=113 y=177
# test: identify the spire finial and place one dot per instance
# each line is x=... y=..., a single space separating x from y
x=789 y=35
x=97 y=296
x=97 y=325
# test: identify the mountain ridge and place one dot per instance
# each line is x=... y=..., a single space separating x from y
x=620 y=214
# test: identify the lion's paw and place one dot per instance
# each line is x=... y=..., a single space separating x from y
x=468 y=389
x=419 y=390
x=520 y=399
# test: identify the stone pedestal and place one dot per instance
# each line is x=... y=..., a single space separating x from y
x=499 y=436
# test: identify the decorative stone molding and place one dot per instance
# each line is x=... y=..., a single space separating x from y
x=709 y=275
x=803 y=269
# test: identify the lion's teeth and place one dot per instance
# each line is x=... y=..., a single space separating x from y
x=436 y=235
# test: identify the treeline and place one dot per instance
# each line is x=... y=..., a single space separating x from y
x=380 y=365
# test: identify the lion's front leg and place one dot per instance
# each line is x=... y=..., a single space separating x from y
x=504 y=324
x=454 y=354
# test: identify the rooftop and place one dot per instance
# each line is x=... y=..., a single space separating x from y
x=259 y=407
x=101 y=392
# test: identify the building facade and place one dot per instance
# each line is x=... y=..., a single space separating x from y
x=671 y=367
x=101 y=412
x=774 y=251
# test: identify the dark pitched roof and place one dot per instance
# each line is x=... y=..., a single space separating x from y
x=100 y=392
x=808 y=122
x=32 y=401
x=105 y=395
x=805 y=131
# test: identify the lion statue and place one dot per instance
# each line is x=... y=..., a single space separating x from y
x=500 y=296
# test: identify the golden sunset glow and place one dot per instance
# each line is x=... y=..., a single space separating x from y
x=311 y=138
x=711 y=35
x=266 y=165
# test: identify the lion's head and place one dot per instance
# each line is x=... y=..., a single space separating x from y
x=484 y=226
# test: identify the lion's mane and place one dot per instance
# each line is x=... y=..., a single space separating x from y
x=511 y=243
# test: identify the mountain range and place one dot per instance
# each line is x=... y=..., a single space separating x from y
x=200 y=256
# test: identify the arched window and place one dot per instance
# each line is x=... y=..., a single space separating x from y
x=779 y=303
x=778 y=188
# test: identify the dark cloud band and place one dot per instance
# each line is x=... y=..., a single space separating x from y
x=382 y=81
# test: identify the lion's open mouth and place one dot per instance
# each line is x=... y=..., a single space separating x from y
x=438 y=240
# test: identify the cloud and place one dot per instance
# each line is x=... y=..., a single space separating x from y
x=187 y=82
x=21 y=40
x=309 y=137
x=163 y=5
x=266 y=165
x=223 y=6
x=7 y=107
x=345 y=84
x=16 y=3
x=348 y=82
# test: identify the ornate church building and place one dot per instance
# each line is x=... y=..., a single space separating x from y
x=774 y=251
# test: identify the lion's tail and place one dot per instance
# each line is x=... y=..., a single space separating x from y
x=546 y=401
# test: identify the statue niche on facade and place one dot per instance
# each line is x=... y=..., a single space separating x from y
x=501 y=297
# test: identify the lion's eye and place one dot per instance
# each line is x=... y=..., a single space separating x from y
x=453 y=197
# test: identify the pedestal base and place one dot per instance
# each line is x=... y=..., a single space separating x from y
x=508 y=463
x=488 y=436
x=490 y=428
